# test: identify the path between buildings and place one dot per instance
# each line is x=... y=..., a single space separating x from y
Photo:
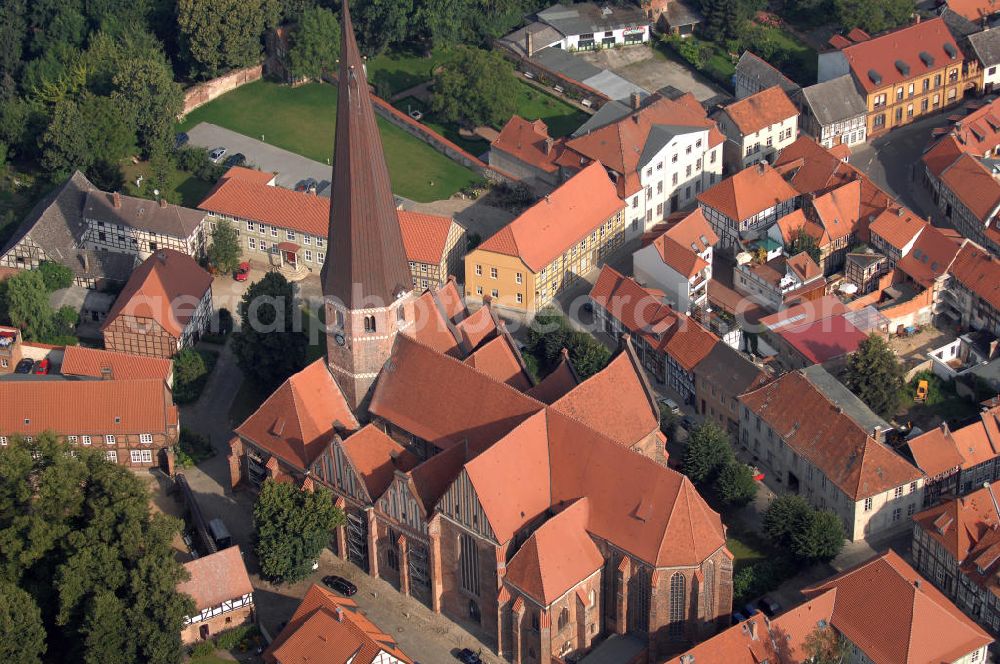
x=291 y=168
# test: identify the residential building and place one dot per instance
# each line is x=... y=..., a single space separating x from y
x=754 y=74
x=678 y=261
x=904 y=74
x=779 y=280
x=552 y=244
x=661 y=155
x=140 y=227
x=287 y=229
x=720 y=378
x=864 y=268
x=669 y=343
x=817 y=449
x=54 y=231
x=972 y=296
x=589 y=26
x=165 y=307
x=757 y=127
x=134 y=422
x=954 y=545
x=10 y=349
x=333 y=630
x=976 y=11
x=676 y=17
x=525 y=150
x=222 y=594
x=834 y=112
x=743 y=206
x=958 y=462
x=107 y=365
x=893 y=234
x=985 y=48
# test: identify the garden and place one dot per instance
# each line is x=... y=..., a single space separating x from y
x=239 y=640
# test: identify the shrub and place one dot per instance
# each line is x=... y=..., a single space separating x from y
x=192 y=449
x=231 y=638
x=203 y=649
x=191 y=371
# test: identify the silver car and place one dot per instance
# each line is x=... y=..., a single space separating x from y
x=217 y=154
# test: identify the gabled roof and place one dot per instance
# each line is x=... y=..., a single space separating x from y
x=839 y=210
x=974 y=185
x=425 y=236
x=943 y=154
x=556 y=557
x=143 y=214
x=979 y=272
x=974 y=10
x=680 y=245
x=835 y=100
x=935 y=452
x=326 y=629
x=296 y=421
x=760 y=70
x=930 y=257
x=830 y=440
x=924 y=626
x=824 y=340
x=216 y=578
x=902 y=55
x=560 y=220
x=528 y=141
x=729 y=370
x=747 y=642
x=558 y=383
x=376 y=457
x=498 y=358
x=748 y=192
x=761 y=110
x=165 y=288
x=80 y=361
x=898 y=228
x=804 y=267
x=979 y=131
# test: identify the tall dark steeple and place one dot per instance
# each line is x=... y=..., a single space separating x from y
x=366 y=278
x=366 y=260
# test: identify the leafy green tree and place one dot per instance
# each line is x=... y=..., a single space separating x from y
x=292 y=526
x=381 y=23
x=820 y=538
x=802 y=241
x=219 y=35
x=66 y=319
x=475 y=87
x=550 y=333
x=874 y=375
x=55 y=275
x=189 y=366
x=785 y=515
x=315 y=44
x=708 y=452
x=735 y=484
x=22 y=635
x=28 y=306
x=13 y=32
x=53 y=22
x=268 y=346
x=86 y=134
x=873 y=15
x=147 y=94
x=824 y=645
x=226 y=251
x=106 y=631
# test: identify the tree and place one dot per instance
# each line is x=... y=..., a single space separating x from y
x=82 y=135
x=802 y=241
x=189 y=366
x=708 y=452
x=315 y=44
x=268 y=347
x=22 y=636
x=735 y=484
x=824 y=645
x=475 y=87
x=219 y=35
x=785 y=515
x=55 y=275
x=147 y=94
x=28 y=306
x=226 y=250
x=292 y=526
x=381 y=23
x=821 y=538
x=874 y=375
x=550 y=333
x=873 y=15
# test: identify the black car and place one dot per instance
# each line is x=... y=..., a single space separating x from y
x=467 y=656
x=180 y=140
x=24 y=366
x=340 y=584
x=769 y=606
x=238 y=159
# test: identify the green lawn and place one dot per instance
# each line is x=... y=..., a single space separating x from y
x=183 y=188
x=561 y=118
x=400 y=71
x=302 y=120
x=210 y=659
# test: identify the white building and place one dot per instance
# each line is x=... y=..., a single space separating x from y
x=834 y=112
x=757 y=127
x=589 y=26
x=679 y=262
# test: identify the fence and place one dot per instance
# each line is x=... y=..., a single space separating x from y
x=203 y=93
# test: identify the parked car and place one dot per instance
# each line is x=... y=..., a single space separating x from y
x=238 y=159
x=180 y=140
x=217 y=154
x=309 y=185
x=468 y=656
x=769 y=606
x=738 y=617
x=340 y=584
x=750 y=609
x=688 y=422
x=42 y=367
x=242 y=272
x=670 y=404
x=24 y=366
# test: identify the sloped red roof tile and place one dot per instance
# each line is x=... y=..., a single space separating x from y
x=974 y=185
x=761 y=110
x=979 y=272
x=80 y=361
x=897 y=227
x=216 y=578
x=530 y=142
x=907 y=46
x=498 y=359
x=930 y=257
x=376 y=457
x=748 y=192
x=425 y=236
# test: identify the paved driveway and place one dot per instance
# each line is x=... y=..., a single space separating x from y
x=290 y=167
x=652 y=70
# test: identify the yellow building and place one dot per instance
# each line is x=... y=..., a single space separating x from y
x=555 y=242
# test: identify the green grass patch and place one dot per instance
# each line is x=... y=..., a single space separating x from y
x=942 y=402
x=397 y=72
x=744 y=551
x=561 y=118
x=183 y=188
x=474 y=146
x=192 y=449
x=303 y=119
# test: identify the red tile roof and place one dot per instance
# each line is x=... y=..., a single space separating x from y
x=425 y=236
x=748 y=192
x=747 y=642
x=974 y=10
x=898 y=228
x=930 y=257
x=560 y=220
x=680 y=244
x=825 y=339
x=250 y=175
x=376 y=457
x=905 y=46
x=80 y=361
x=216 y=578
x=86 y=407
x=761 y=110
x=296 y=421
x=497 y=358
x=924 y=626
x=166 y=287
x=557 y=384
x=935 y=452
x=974 y=185
x=979 y=272
x=326 y=629
x=942 y=155
x=839 y=210
x=978 y=133
x=960 y=524
x=804 y=266
x=556 y=557
x=831 y=441
x=528 y=141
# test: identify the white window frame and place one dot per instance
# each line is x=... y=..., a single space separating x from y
x=320 y=257
x=309 y=255
x=85 y=440
x=111 y=455
x=252 y=243
x=71 y=439
x=3 y=441
x=146 y=438
x=109 y=438
x=289 y=235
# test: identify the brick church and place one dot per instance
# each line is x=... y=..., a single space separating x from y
x=540 y=515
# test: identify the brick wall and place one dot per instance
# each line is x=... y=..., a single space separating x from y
x=203 y=93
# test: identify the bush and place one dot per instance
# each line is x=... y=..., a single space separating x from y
x=735 y=484
x=55 y=275
x=192 y=449
x=191 y=371
x=791 y=524
x=759 y=577
x=203 y=649
x=231 y=638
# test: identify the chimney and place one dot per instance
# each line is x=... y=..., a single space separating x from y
x=529 y=43
x=548 y=146
x=163 y=202
x=760 y=168
x=916 y=583
x=877 y=433
x=548 y=199
x=635 y=100
x=107 y=373
x=753 y=630
x=116 y=200
x=338 y=613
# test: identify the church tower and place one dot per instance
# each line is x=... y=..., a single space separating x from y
x=367 y=286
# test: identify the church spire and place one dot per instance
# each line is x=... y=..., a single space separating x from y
x=366 y=264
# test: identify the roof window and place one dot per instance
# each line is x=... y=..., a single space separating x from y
x=875 y=77
x=903 y=68
x=950 y=49
x=926 y=58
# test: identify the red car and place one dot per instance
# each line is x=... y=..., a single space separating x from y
x=42 y=366
x=242 y=272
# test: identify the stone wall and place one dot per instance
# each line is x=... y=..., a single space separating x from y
x=203 y=93
x=551 y=78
